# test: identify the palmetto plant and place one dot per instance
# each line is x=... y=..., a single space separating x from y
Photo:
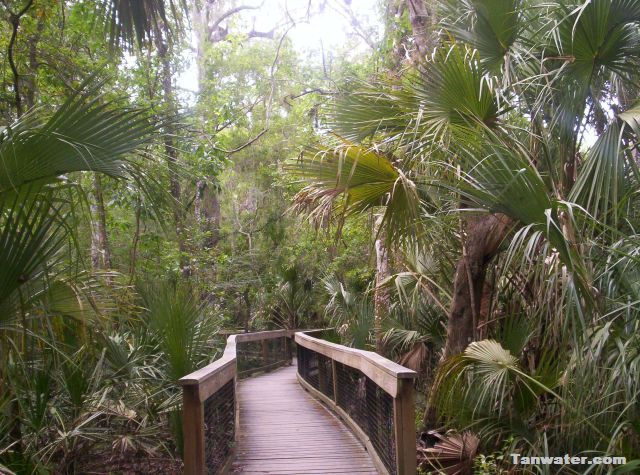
x=36 y=197
x=176 y=324
x=350 y=312
x=292 y=297
x=522 y=127
x=40 y=203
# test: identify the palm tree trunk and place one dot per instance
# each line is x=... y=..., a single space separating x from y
x=483 y=239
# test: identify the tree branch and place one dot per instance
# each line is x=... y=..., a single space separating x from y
x=232 y=12
x=243 y=146
x=262 y=34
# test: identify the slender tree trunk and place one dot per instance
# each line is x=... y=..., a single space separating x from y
x=31 y=78
x=134 y=247
x=208 y=208
x=100 y=250
x=483 y=238
x=207 y=211
x=14 y=21
x=105 y=249
x=247 y=309
x=171 y=152
x=381 y=294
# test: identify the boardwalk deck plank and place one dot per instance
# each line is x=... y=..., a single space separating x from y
x=283 y=430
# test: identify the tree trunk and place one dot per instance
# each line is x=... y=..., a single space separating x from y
x=100 y=251
x=14 y=21
x=170 y=149
x=31 y=78
x=381 y=294
x=207 y=211
x=134 y=247
x=483 y=238
x=421 y=20
x=247 y=309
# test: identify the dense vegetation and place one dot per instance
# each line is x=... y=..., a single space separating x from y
x=456 y=187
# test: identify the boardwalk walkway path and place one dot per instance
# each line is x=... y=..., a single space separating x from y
x=283 y=430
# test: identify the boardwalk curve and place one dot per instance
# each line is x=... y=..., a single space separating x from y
x=284 y=430
x=339 y=410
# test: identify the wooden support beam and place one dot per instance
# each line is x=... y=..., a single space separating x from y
x=404 y=419
x=193 y=428
x=322 y=377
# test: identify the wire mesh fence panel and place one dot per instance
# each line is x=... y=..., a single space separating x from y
x=325 y=376
x=276 y=351
x=258 y=355
x=219 y=427
x=249 y=356
x=371 y=408
x=308 y=366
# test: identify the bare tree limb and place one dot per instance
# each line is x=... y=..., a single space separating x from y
x=262 y=34
x=293 y=97
x=243 y=146
x=232 y=12
x=346 y=11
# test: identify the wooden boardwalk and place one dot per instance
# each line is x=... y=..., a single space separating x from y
x=283 y=430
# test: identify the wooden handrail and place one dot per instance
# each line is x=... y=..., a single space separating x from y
x=385 y=373
x=397 y=381
x=199 y=386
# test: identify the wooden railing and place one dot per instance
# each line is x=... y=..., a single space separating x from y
x=210 y=412
x=372 y=394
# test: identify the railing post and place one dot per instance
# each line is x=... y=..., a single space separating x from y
x=265 y=352
x=335 y=380
x=405 y=428
x=193 y=431
x=288 y=347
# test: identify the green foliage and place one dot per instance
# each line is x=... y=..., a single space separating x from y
x=526 y=110
x=175 y=319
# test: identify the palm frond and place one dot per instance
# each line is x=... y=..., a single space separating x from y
x=129 y=22
x=32 y=236
x=445 y=100
x=85 y=133
x=350 y=179
x=490 y=26
x=603 y=185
